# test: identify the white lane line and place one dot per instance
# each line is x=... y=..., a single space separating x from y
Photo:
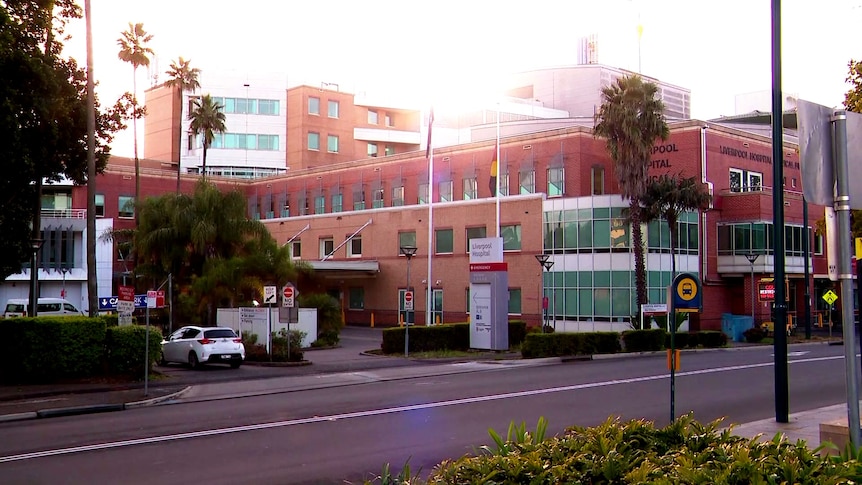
x=378 y=412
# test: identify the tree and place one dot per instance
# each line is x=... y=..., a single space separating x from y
x=183 y=78
x=43 y=118
x=207 y=120
x=853 y=97
x=133 y=50
x=669 y=196
x=631 y=119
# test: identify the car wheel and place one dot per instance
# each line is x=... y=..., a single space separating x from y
x=193 y=360
x=235 y=365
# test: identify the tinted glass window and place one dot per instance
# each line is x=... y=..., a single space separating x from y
x=191 y=333
x=15 y=308
x=219 y=333
x=69 y=308
x=48 y=307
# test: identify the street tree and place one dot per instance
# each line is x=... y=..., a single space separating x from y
x=134 y=50
x=631 y=120
x=183 y=78
x=207 y=119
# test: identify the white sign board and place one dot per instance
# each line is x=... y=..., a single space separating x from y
x=480 y=315
x=408 y=300
x=648 y=308
x=486 y=250
x=288 y=296
x=268 y=294
x=151 y=298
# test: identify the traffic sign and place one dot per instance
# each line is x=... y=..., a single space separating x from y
x=288 y=294
x=408 y=300
x=151 y=298
x=269 y=294
x=830 y=297
x=686 y=293
x=126 y=293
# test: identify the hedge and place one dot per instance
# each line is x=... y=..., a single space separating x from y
x=562 y=344
x=125 y=349
x=452 y=336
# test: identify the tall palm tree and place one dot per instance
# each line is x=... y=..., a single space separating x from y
x=631 y=119
x=207 y=120
x=133 y=49
x=669 y=196
x=184 y=78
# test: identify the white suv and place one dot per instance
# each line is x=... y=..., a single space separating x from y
x=203 y=345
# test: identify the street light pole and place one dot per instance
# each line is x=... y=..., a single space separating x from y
x=35 y=245
x=543 y=259
x=408 y=252
x=752 y=257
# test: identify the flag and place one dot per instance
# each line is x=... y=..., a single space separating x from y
x=492 y=182
x=430 y=124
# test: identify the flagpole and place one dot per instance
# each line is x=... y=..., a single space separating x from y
x=497 y=179
x=429 y=151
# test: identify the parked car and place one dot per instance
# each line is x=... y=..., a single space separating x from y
x=18 y=307
x=196 y=346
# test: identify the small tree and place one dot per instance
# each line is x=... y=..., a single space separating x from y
x=330 y=321
x=207 y=120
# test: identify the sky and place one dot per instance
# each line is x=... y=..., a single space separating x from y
x=423 y=52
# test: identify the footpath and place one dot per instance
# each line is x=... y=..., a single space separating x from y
x=341 y=366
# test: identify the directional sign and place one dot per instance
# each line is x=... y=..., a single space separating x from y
x=408 y=300
x=830 y=297
x=109 y=303
x=269 y=294
x=288 y=294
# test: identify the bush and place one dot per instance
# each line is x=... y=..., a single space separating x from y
x=712 y=339
x=330 y=320
x=125 y=349
x=754 y=334
x=282 y=352
x=644 y=340
x=537 y=345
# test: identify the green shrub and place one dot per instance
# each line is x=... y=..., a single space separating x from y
x=754 y=334
x=126 y=349
x=644 y=340
x=330 y=320
x=562 y=344
x=712 y=339
x=281 y=352
x=517 y=331
x=450 y=336
x=46 y=349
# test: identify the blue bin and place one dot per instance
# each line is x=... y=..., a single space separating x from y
x=734 y=326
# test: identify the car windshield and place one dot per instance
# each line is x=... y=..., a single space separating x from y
x=219 y=333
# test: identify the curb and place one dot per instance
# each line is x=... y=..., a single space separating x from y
x=157 y=400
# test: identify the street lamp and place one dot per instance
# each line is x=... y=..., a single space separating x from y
x=543 y=259
x=408 y=252
x=35 y=245
x=752 y=257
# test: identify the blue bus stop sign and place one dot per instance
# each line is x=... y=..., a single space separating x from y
x=686 y=293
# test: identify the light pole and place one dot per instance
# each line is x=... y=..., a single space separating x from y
x=408 y=252
x=35 y=245
x=543 y=259
x=752 y=257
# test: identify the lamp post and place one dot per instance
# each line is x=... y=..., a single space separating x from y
x=408 y=252
x=35 y=245
x=752 y=257
x=543 y=259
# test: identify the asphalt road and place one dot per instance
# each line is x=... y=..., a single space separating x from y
x=333 y=434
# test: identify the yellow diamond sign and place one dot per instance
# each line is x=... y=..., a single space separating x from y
x=830 y=297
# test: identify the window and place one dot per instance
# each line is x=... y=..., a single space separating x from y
x=354 y=248
x=755 y=181
x=397 y=196
x=423 y=193
x=470 y=188
x=377 y=202
x=372 y=149
x=556 y=181
x=745 y=181
x=319 y=204
x=511 y=237
x=332 y=110
x=443 y=241
x=514 y=301
x=126 y=207
x=332 y=144
x=445 y=191
x=100 y=205
x=818 y=244
x=327 y=246
x=597 y=175
x=735 y=180
x=406 y=239
x=296 y=249
x=313 y=106
x=503 y=180
x=388 y=120
x=475 y=233
x=313 y=140
x=337 y=202
x=268 y=107
x=389 y=150
x=372 y=117
x=358 y=199
x=267 y=142
x=527 y=181
x=356 y=298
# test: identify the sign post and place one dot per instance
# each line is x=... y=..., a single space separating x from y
x=288 y=303
x=125 y=305
x=269 y=299
x=685 y=297
x=830 y=297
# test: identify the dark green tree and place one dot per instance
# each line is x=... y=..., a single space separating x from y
x=207 y=119
x=631 y=120
x=43 y=118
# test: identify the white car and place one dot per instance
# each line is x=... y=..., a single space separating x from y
x=203 y=345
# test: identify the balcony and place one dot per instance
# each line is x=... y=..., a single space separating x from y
x=64 y=213
x=752 y=203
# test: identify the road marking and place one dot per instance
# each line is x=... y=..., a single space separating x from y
x=378 y=412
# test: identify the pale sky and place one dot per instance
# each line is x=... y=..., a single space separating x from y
x=422 y=51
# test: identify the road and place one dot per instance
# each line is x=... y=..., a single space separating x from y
x=332 y=434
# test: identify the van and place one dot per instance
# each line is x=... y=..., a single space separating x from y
x=44 y=307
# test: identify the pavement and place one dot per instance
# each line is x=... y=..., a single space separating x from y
x=344 y=365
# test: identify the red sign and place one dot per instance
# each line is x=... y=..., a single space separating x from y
x=408 y=296
x=126 y=293
x=287 y=292
x=488 y=266
x=766 y=290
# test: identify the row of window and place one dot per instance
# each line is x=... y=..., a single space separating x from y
x=757 y=237
x=332 y=107
x=243 y=141
x=374 y=118
x=250 y=106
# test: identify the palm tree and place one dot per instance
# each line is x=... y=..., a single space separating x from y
x=207 y=120
x=184 y=78
x=669 y=196
x=631 y=119
x=133 y=50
